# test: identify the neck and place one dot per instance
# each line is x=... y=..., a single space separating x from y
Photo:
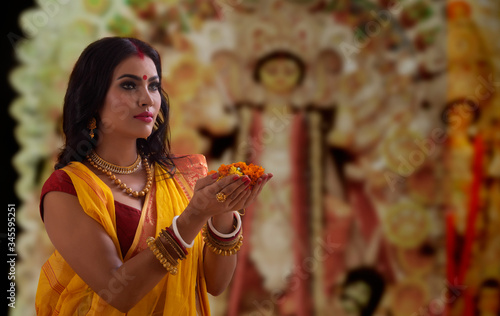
x=122 y=152
x=274 y=99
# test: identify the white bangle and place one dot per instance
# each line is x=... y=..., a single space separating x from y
x=176 y=232
x=230 y=235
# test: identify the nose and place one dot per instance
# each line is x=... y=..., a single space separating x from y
x=146 y=98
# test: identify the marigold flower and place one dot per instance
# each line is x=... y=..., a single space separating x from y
x=240 y=168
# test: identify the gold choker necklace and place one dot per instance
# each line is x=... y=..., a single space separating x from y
x=137 y=194
x=115 y=168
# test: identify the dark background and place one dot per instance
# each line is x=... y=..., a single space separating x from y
x=8 y=174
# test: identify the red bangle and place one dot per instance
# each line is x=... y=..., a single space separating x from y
x=214 y=236
x=171 y=233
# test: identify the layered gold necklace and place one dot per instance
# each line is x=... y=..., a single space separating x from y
x=110 y=169
x=115 y=168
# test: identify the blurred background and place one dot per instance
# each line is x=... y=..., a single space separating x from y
x=380 y=120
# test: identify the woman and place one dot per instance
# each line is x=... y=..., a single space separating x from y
x=123 y=213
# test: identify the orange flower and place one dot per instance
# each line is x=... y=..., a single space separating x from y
x=252 y=171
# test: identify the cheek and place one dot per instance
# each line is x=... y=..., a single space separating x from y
x=157 y=102
x=267 y=78
x=292 y=78
x=157 y=99
x=156 y=105
x=116 y=107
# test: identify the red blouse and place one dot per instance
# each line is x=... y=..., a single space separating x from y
x=127 y=217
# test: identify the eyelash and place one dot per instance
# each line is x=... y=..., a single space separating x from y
x=129 y=85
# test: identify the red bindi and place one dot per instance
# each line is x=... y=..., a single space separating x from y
x=144 y=77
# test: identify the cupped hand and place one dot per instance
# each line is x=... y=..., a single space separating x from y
x=239 y=194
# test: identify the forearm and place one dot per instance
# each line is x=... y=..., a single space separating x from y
x=190 y=223
x=136 y=277
x=219 y=269
x=129 y=283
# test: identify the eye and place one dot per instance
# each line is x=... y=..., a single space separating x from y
x=128 y=85
x=155 y=86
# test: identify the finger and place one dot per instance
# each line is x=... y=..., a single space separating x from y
x=237 y=186
x=240 y=200
x=264 y=182
x=205 y=181
x=217 y=185
x=258 y=187
x=248 y=196
x=227 y=181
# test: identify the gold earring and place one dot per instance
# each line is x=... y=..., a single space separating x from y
x=92 y=126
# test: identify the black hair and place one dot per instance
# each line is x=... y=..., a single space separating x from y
x=374 y=280
x=87 y=88
x=276 y=55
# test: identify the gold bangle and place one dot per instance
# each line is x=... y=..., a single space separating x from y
x=153 y=247
x=178 y=250
x=221 y=248
x=166 y=254
x=225 y=244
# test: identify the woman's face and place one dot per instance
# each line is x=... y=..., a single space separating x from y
x=133 y=99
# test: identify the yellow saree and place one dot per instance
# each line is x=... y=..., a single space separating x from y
x=62 y=292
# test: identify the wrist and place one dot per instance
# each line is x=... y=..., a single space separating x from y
x=223 y=222
x=189 y=224
x=178 y=236
x=224 y=243
x=194 y=216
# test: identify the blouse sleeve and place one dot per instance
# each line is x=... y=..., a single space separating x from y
x=58 y=181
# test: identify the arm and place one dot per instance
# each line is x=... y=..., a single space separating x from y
x=120 y=284
x=219 y=269
x=84 y=244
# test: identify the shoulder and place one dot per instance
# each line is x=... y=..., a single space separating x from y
x=196 y=164
x=58 y=181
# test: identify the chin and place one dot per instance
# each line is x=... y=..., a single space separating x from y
x=143 y=134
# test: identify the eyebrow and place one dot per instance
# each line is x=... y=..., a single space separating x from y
x=136 y=77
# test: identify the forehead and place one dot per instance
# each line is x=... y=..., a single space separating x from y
x=280 y=61
x=135 y=65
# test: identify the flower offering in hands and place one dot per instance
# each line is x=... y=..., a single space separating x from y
x=240 y=168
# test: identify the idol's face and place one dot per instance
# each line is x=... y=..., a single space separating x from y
x=133 y=100
x=280 y=75
x=460 y=116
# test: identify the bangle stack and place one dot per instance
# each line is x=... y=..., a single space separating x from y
x=162 y=254
x=172 y=240
x=168 y=258
x=223 y=244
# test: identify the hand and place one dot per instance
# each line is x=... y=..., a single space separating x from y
x=248 y=196
x=235 y=187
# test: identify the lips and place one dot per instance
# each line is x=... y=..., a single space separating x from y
x=145 y=116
